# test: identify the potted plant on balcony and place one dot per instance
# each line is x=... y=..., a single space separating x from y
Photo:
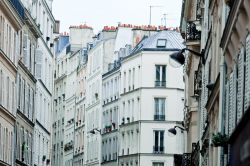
x=219 y=139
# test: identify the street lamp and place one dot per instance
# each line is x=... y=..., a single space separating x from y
x=173 y=130
x=177 y=59
x=93 y=131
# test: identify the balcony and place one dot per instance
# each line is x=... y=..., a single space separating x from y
x=19 y=7
x=186 y=159
x=158 y=149
x=68 y=146
x=195 y=154
x=159 y=117
x=192 y=33
x=160 y=83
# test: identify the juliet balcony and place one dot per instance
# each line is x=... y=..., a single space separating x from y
x=193 y=33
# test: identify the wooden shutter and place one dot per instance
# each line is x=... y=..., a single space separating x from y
x=232 y=102
x=227 y=107
x=25 y=48
x=240 y=85
x=247 y=75
x=38 y=60
x=32 y=55
x=27 y=62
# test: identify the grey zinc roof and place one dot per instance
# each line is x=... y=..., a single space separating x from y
x=174 y=41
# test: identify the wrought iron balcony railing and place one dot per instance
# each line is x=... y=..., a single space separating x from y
x=195 y=154
x=160 y=83
x=192 y=32
x=158 y=149
x=159 y=117
x=186 y=159
x=19 y=7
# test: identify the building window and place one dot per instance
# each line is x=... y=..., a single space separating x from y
x=158 y=164
x=161 y=43
x=159 y=109
x=158 y=141
x=160 y=75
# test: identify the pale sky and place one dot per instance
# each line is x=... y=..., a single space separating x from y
x=98 y=13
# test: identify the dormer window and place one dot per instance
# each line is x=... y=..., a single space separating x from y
x=161 y=43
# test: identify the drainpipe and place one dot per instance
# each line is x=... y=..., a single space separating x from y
x=222 y=107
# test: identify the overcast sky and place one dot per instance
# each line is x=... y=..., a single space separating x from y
x=98 y=13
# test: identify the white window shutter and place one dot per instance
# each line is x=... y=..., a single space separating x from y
x=247 y=75
x=232 y=101
x=38 y=60
x=227 y=107
x=27 y=62
x=25 y=48
x=32 y=54
x=240 y=85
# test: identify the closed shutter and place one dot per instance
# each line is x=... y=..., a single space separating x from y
x=247 y=75
x=38 y=60
x=25 y=48
x=32 y=55
x=240 y=85
x=31 y=104
x=17 y=47
x=27 y=63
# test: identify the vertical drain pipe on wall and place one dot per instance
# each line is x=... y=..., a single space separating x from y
x=222 y=107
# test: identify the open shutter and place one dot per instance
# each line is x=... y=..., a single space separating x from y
x=247 y=75
x=232 y=102
x=38 y=60
x=25 y=48
x=240 y=85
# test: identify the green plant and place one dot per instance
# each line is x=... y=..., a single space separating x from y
x=219 y=139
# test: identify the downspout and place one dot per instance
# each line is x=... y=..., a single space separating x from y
x=222 y=107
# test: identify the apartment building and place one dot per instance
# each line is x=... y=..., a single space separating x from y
x=11 y=22
x=99 y=56
x=110 y=114
x=60 y=81
x=151 y=102
x=69 y=100
x=220 y=81
x=44 y=59
x=235 y=48
x=79 y=116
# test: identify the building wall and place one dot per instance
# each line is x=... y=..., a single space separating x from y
x=98 y=59
x=10 y=26
x=137 y=113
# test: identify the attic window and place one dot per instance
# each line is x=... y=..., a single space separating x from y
x=161 y=43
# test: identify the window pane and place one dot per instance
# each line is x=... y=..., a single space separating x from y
x=157 y=73
x=161 y=139
x=156 y=106
x=163 y=73
x=162 y=107
x=156 y=139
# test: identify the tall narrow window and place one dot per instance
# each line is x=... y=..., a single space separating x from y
x=158 y=141
x=159 y=109
x=160 y=76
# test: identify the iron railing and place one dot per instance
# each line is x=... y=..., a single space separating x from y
x=159 y=117
x=192 y=33
x=195 y=154
x=160 y=83
x=186 y=159
x=158 y=149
